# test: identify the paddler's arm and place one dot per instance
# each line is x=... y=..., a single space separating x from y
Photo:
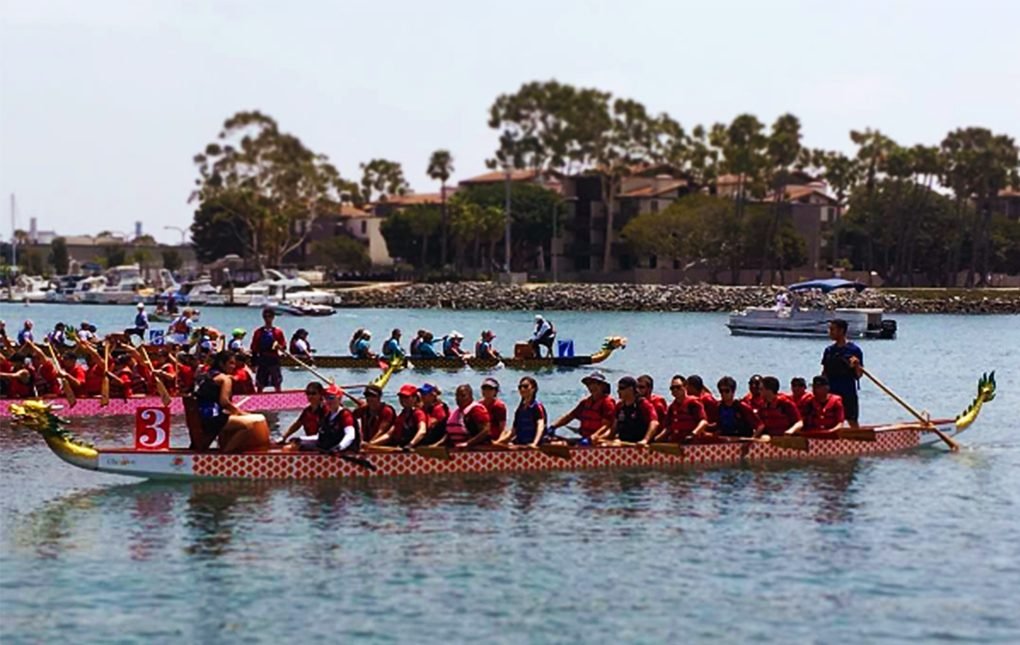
x=226 y=386
x=294 y=427
x=539 y=432
x=420 y=435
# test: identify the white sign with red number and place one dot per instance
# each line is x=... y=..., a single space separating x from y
x=152 y=429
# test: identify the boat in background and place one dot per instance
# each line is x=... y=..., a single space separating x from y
x=120 y=285
x=31 y=288
x=92 y=406
x=789 y=318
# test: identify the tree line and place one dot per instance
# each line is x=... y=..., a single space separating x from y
x=908 y=210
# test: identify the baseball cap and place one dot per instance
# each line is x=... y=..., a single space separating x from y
x=334 y=390
x=408 y=390
x=428 y=388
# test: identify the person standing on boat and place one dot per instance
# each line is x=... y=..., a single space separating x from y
x=530 y=418
x=734 y=417
x=595 y=412
x=843 y=365
x=266 y=343
x=375 y=418
x=311 y=415
x=141 y=323
x=821 y=410
x=468 y=424
x=484 y=348
x=221 y=420
x=236 y=343
x=685 y=418
x=645 y=388
x=778 y=413
x=636 y=419
x=495 y=407
x=544 y=335
x=391 y=349
x=25 y=335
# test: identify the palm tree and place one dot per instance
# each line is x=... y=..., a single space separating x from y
x=441 y=167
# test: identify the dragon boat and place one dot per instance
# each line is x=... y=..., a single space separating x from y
x=279 y=465
x=609 y=345
x=93 y=406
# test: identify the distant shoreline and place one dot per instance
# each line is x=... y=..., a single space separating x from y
x=638 y=297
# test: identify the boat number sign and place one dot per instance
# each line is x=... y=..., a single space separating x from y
x=152 y=429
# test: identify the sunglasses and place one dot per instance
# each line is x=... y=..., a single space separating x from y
x=524 y=386
x=674 y=388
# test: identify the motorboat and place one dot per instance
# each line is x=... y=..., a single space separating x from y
x=30 y=288
x=292 y=307
x=277 y=287
x=795 y=315
x=64 y=288
x=124 y=285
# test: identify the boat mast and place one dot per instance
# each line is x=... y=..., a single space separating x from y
x=14 y=238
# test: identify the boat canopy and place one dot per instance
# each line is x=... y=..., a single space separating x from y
x=825 y=286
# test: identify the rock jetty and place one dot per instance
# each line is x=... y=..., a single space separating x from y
x=638 y=297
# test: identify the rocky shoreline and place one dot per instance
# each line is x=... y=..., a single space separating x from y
x=636 y=297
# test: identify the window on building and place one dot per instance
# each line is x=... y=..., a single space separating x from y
x=364 y=227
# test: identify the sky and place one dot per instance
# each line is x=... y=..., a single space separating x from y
x=103 y=103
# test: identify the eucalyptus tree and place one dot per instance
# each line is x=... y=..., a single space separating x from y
x=381 y=179
x=441 y=168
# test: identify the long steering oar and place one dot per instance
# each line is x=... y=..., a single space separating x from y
x=953 y=445
x=164 y=396
x=309 y=368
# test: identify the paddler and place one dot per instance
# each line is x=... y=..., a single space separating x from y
x=734 y=417
x=798 y=390
x=45 y=373
x=411 y=424
x=299 y=345
x=595 y=412
x=19 y=377
x=468 y=424
x=415 y=342
x=266 y=342
x=425 y=348
x=436 y=410
x=375 y=418
x=451 y=345
x=821 y=410
x=236 y=343
x=96 y=371
x=337 y=430
x=221 y=420
x=58 y=337
x=753 y=396
x=543 y=336
x=529 y=427
x=361 y=344
x=74 y=372
x=696 y=388
x=244 y=382
x=484 y=348
x=636 y=419
x=843 y=365
x=311 y=415
x=685 y=418
x=181 y=327
x=495 y=407
x=778 y=413
x=391 y=349
x=25 y=335
x=645 y=388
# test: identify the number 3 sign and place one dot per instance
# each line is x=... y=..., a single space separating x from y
x=152 y=429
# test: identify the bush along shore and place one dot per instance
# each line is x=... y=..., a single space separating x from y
x=637 y=297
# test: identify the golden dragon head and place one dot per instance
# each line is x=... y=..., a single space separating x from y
x=613 y=343
x=38 y=416
x=986 y=392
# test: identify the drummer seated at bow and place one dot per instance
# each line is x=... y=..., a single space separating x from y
x=337 y=431
x=636 y=419
x=685 y=417
x=468 y=424
x=218 y=419
x=778 y=413
x=821 y=410
x=595 y=412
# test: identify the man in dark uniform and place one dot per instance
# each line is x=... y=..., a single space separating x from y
x=842 y=364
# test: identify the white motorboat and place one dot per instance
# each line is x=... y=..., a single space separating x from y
x=277 y=287
x=292 y=307
x=789 y=318
x=124 y=285
x=31 y=288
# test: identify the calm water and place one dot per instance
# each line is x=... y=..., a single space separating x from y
x=917 y=547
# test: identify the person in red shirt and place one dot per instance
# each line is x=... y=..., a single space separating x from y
x=242 y=376
x=311 y=416
x=164 y=371
x=778 y=413
x=798 y=390
x=187 y=372
x=266 y=343
x=74 y=371
x=636 y=419
x=734 y=417
x=123 y=377
x=468 y=424
x=495 y=407
x=753 y=396
x=696 y=388
x=20 y=378
x=95 y=374
x=375 y=417
x=436 y=410
x=645 y=387
x=411 y=425
x=822 y=411
x=595 y=412
x=685 y=418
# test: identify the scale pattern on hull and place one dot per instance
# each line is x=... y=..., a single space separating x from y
x=314 y=466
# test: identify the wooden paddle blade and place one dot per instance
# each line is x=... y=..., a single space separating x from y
x=789 y=442
x=433 y=452
x=358 y=461
x=104 y=389
x=667 y=449
x=554 y=450
x=861 y=434
x=163 y=394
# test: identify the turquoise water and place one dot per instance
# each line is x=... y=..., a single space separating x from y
x=916 y=547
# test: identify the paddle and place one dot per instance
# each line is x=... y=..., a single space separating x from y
x=926 y=422
x=104 y=389
x=64 y=384
x=858 y=434
x=790 y=442
x=432 y=452
x=357 y=461
x=164 y=396
x=553 y=450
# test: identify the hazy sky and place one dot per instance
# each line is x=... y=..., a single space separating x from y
x=104 y=103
